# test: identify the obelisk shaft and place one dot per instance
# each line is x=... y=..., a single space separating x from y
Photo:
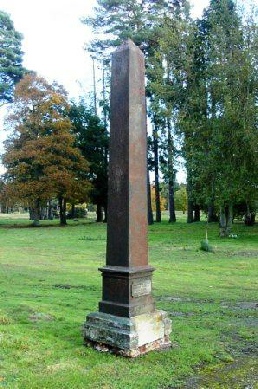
x=127 y=276
x=127 y=199
x=127 y=322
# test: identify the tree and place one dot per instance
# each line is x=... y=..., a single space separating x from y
x=92 y=139
x=142 y=21
x=163 y=197
x=220 y=119
x=232 y=107
x=181 y=198
x=202 y=85
x=41 y=160
x=11 y=70
x=168 y=85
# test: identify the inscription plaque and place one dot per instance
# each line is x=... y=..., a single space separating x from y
x=141 y=287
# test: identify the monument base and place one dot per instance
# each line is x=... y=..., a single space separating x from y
x=125 y=336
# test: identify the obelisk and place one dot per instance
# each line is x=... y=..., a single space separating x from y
x=127 y=321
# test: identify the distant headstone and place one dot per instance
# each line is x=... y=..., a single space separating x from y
x=127 y=321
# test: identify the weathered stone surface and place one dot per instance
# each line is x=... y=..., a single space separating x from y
x=127 y=196
x=127 y=249
x=118 y=298
x=128 y=336
x=141 y=287
x=127 y=321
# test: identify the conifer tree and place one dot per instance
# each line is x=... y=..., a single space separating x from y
x=11 y=70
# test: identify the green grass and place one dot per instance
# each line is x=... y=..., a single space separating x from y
x=49 y=282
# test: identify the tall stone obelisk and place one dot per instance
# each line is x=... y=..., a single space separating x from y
x=127 y=321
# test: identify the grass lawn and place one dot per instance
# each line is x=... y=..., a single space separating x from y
x=49 y=282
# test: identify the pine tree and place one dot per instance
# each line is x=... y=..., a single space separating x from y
x=11 y=70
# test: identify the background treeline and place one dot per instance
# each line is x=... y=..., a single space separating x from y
x=201 y=83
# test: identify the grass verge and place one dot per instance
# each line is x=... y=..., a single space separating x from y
x=49 y=282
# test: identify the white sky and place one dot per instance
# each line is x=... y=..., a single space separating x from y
x=54 y=38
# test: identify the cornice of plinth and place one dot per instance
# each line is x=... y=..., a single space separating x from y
x=127 y=270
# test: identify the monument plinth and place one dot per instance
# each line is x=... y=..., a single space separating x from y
x=127 y=321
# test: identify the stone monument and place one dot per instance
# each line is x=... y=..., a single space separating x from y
x=127 y=322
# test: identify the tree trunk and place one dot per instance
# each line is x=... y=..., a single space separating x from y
x=249 y=217
x=197 y=213
x=150 y=213
x=43 y=213
x=171 y=176
x=73 y=211
x=225 y=220
x=99 y=213
x=35 y=213
x=4 y=208
x=212 y=217
x=190 y=209
x=62 y=211
x=156 y=169
x=50 y=211
x=171 y=203
x=190 y=206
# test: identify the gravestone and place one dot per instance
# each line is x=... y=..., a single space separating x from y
x=127 y=322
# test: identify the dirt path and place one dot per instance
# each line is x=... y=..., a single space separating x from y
x=240 y=374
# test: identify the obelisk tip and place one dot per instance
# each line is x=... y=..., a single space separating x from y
x=127 y=44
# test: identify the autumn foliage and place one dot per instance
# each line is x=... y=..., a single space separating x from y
x=41 y=159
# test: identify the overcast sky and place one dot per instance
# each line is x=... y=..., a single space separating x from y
x=54 y=38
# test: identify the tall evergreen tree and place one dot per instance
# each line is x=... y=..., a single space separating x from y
x=143 y=21
x=92 y=139
x=221 y=113
x=168 y=85
x=11 y=70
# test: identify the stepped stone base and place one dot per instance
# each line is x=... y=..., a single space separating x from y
x=128 y=337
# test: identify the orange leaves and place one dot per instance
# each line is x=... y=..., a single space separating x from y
x=41 y=159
